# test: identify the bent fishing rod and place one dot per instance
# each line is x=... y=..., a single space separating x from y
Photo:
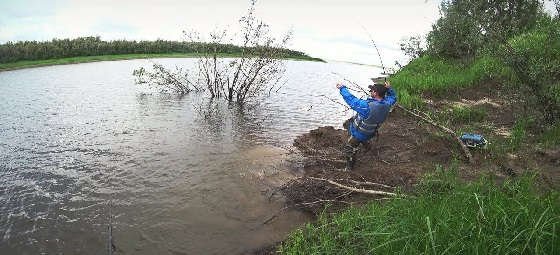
x=378 y=54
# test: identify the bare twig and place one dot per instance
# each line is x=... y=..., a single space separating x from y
x=447 y=130
x=352 y=83
x=369 y=183
x=336 y=102
x=359 y=190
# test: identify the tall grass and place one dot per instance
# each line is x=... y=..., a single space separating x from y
x=437 y=76
x=461 y=114
x=446 y=217
x=551 y=136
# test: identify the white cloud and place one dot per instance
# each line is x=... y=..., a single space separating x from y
x=323 y=28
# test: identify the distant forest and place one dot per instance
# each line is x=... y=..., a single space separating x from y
x=93 y=46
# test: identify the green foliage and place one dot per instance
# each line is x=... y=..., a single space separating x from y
x=413 y=46
x=479 y=218
x=551 y=136
x=466 y=26
x=535 y=57
x=433 y=75
x=441 y=181
x=460 y=114
x=517 y=136
x=93 y=46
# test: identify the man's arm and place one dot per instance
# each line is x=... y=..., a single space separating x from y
x=358 y=105
x=391 y=96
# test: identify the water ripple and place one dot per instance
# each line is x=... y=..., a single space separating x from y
x=76 y=139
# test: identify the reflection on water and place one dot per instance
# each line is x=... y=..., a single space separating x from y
x=184 y=175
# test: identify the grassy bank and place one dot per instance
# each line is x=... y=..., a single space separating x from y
x=444 y=217
x=85 y=59
x=438 y=76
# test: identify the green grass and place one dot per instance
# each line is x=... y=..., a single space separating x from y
x=85 y=59
x=446 y=217
x=518 y=135
x=460 y=114
x=551 y=136
x=437 y=76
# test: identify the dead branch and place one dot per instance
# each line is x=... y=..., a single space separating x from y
x=352 y=83
x=359 y=190
x=370 y=183
x=336 y=102
x=447 y=130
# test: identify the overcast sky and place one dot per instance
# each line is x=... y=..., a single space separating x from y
x=330 y=29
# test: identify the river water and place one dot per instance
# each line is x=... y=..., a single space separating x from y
x=82 y=145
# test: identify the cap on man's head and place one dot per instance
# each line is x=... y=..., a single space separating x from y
x=379 y=88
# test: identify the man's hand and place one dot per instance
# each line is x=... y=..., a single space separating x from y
x=338 y=85
x=387 y=84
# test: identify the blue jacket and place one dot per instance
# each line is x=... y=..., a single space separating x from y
x=362 y=107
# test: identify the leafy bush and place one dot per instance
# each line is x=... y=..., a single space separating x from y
x=466 y=26
x=535 y=57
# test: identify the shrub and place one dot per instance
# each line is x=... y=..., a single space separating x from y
x=535 y=57
x=466 y=26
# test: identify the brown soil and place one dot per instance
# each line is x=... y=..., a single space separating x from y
x=407 y=148
x=404 y=150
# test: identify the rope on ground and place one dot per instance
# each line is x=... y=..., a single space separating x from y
x=359 y=190
x=447 y=130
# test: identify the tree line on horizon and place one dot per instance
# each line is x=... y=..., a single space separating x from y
x=93 y=46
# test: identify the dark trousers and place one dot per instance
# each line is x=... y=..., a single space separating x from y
x=352 y=145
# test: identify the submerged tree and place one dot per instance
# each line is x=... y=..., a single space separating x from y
x=258 y=68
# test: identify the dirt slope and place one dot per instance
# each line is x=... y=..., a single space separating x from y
x=404 y=150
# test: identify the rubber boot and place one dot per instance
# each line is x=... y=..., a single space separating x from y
x=349 y=164
x=350 y=151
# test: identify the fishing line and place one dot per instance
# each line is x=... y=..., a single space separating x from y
x=378 y=54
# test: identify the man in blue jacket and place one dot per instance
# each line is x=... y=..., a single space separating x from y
x=370 y=114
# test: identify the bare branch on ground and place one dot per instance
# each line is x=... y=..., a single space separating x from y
x=466 y=151
x=359 y=190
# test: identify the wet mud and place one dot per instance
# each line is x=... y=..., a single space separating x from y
x=404 y=151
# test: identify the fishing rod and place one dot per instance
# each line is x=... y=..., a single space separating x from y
x=376 y=49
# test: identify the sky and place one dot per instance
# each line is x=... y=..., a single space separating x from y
x=329 y=29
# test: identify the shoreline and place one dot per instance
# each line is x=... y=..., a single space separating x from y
x=90 y=59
